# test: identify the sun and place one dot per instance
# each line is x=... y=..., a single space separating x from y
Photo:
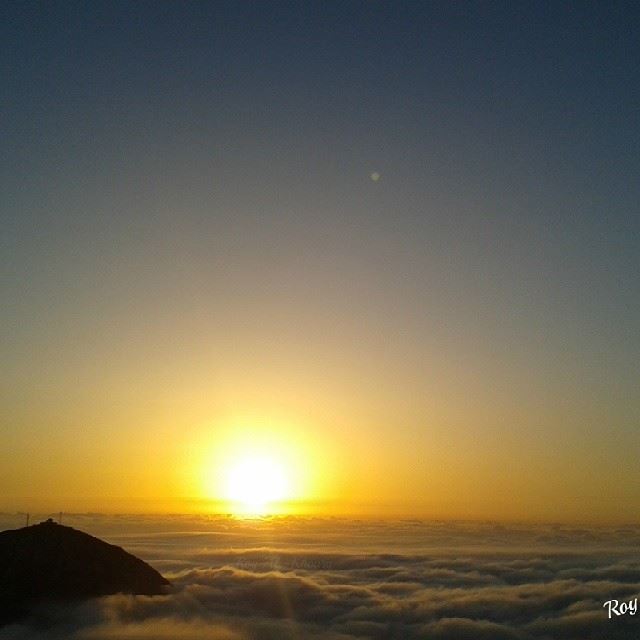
x=257 y=466
x=255 y=483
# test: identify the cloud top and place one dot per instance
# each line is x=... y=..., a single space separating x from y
x=463 y=582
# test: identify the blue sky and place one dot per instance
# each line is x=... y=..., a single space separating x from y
x=187 y=202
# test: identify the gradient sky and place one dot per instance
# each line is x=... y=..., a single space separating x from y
x=192 y=245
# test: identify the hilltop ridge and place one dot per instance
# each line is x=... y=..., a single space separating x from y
x=49 y=561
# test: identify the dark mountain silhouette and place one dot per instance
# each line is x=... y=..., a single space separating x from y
x=49 y=561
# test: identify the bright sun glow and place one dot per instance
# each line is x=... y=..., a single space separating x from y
x=255 y=483
x=258 y=466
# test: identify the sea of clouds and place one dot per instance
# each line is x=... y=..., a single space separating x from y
x=346 y=579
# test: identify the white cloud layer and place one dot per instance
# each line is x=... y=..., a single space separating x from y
x=339 y=579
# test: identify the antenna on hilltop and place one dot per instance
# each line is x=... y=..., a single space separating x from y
x=53 y=516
